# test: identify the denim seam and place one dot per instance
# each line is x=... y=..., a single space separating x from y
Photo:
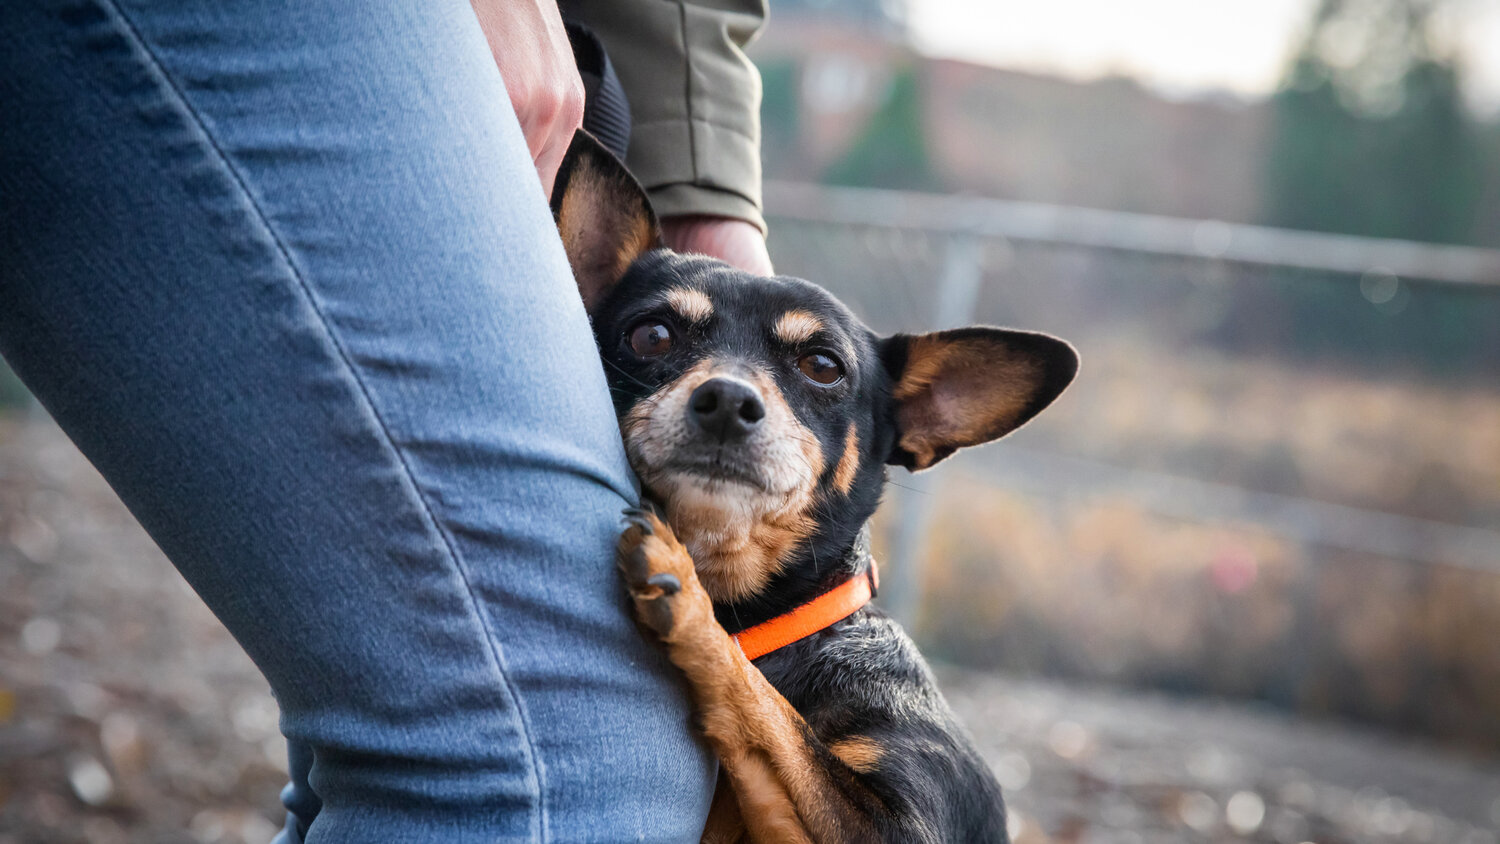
x=343 y=355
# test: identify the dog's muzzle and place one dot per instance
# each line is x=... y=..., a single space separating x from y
x=726 y=410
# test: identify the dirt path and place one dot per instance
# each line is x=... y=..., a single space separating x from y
x=1100 y=765
x=128 y=715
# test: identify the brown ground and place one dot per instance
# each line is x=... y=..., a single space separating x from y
x=128 y=715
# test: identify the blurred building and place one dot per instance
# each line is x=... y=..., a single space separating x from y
x=848 y=101
x=876 y=17
x=1108 y=144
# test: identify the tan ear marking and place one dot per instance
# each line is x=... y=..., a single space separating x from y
x=926 y=358
x=959 y=422
x=843 y=474
x=603 y=217
x=641 y=240
x=796 y=326
x=693 y=305
x=581 y=217
x=969 y=386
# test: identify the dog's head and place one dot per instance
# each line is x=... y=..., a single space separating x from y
x=759 y=411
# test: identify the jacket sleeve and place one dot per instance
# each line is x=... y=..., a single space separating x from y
x=694 y=99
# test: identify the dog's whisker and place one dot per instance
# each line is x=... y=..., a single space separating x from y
x=616 y=367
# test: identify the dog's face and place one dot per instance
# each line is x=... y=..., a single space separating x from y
x=759 y=411
x=748 y=407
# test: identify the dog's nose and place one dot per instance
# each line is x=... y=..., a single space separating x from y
x=725 y=408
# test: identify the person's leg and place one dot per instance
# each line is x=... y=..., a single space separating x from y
x=287 y=277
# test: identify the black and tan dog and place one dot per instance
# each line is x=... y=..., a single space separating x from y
x=761 y=414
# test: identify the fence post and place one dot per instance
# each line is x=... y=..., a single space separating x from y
x=914 y=496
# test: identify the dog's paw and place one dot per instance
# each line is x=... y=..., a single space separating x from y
x=657 y=570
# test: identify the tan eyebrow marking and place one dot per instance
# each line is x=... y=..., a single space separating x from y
x=694 y=305
x=861 y=753
x=797 y=327
x=843 y=474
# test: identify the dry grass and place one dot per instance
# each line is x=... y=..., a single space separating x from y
x=1106 y=587
x=1395 y=444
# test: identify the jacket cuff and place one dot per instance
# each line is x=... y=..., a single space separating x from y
x=683 y=199
x=694 y=99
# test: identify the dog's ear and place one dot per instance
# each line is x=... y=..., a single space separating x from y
x=603 y=216
x=968 y=386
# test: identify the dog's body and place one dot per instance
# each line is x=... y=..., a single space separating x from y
x=761 y=415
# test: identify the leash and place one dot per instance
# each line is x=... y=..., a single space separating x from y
x=820 y=613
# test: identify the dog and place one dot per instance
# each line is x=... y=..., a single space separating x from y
x=760 y=416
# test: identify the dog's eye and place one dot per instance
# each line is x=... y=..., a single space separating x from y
x=650 y=338
x=820 y=368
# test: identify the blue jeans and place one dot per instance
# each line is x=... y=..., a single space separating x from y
x=285 y=273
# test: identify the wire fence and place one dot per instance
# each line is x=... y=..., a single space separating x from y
x=1212 y=240
x=1342 y=449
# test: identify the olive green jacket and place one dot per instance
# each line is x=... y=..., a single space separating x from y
x=694 y=98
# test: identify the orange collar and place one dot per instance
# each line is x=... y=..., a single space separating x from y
x=821 y=612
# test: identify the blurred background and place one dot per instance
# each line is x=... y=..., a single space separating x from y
x=1242 y=583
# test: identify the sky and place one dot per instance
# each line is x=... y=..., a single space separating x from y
x=1178 y=47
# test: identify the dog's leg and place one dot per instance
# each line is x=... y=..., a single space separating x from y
x=724 y=826
x=788 y=787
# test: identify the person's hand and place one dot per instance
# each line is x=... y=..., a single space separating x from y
x=531 y=48
x=732 y=241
